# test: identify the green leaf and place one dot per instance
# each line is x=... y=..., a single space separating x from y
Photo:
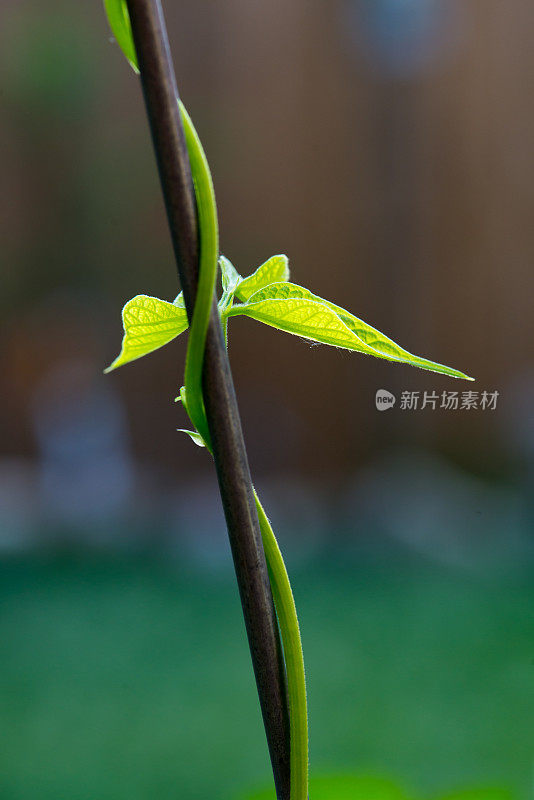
x=195 y=436
x=119 y=22
x=274 y=270
x=346 y=787
x=296 y=310
x=148 y=324
x=230 y=277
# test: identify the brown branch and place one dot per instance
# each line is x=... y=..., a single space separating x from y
x=160 y=93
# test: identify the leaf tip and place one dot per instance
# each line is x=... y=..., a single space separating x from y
x=462 y=376
x=194 y=436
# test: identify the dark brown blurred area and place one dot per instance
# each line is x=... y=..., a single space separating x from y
x=386 y=147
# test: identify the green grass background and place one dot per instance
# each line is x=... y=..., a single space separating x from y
x=130 y=679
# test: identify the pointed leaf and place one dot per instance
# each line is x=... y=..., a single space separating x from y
x=119 y=22
x=230 y=277
x=274 y=270
x=195 y=436
x=148 y=323
x=294 y=309
x=179 y=301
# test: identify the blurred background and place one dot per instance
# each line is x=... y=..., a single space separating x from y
x=386 y=147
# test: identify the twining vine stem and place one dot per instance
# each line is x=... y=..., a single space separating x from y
x=280 y=585
x=209 y=397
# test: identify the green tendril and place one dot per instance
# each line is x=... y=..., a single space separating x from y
x=281 y=588
x=286 y=612
x=209 y=254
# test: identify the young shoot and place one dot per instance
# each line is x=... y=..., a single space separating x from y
x=268 y=296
